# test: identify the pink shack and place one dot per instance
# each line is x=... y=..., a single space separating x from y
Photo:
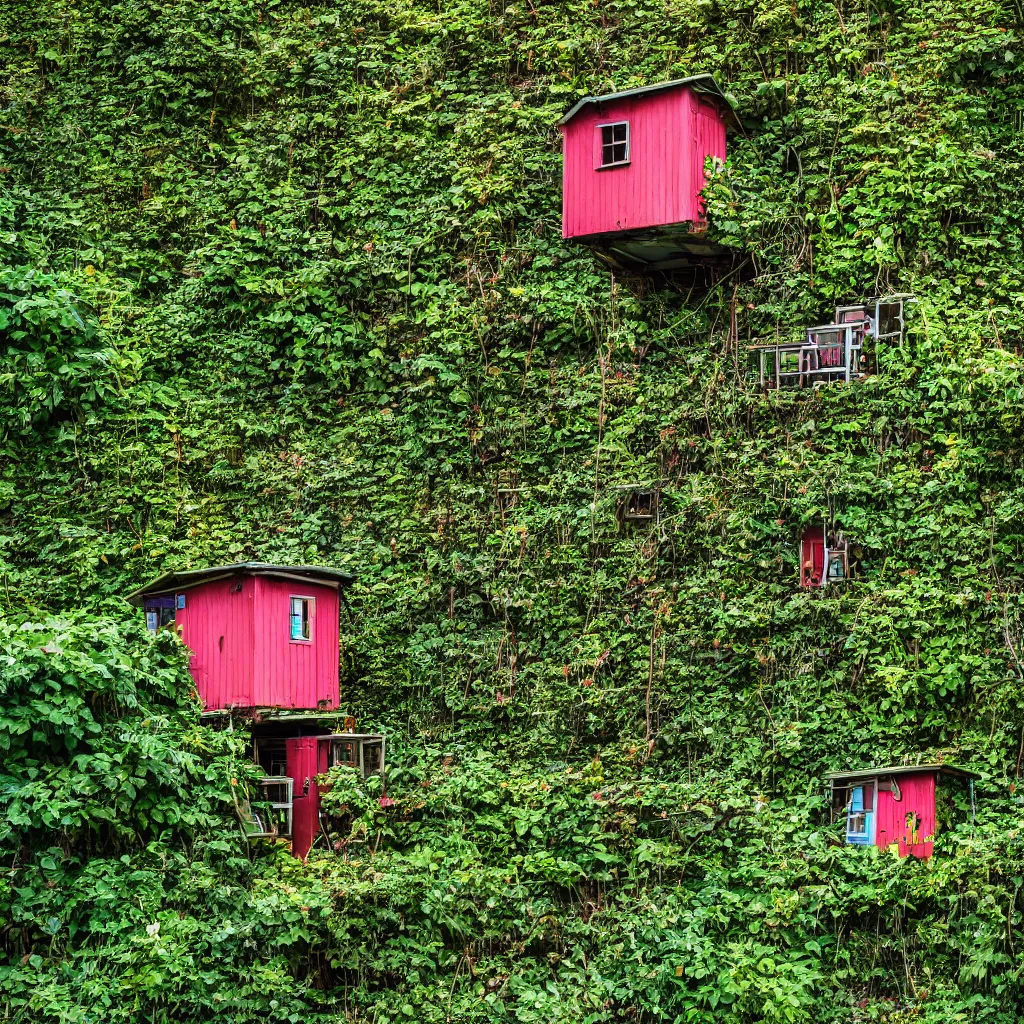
x=265 y=651
x=261 y=635
x=898 y=806
x=634 y=168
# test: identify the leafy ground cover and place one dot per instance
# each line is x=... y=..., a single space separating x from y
x=285 y=281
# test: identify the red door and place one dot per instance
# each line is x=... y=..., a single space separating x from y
x=906 y=814
x=303 y=767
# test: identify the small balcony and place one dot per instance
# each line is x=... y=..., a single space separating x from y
x=844 y=350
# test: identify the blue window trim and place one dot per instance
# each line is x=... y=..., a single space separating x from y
x=856 y=807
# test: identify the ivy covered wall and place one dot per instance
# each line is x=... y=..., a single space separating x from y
x=286 y=282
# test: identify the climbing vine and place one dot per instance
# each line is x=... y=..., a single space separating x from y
x=286 y=282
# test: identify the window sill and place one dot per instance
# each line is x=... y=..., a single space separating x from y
x=612 y=167
x=292 y=640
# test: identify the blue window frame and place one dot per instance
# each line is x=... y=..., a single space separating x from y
x=860 y=815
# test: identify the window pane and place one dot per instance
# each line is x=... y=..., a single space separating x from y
x=299 y=620
x=889 y=318
x=343 y=753
x=371 y=758
x=614 y=143
x=856 y=820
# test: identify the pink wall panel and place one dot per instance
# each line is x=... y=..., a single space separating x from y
x=242 y=654
x=290 y=674
x=708 y=140
x=671 y=134
x=918 y=797
x=216 y=624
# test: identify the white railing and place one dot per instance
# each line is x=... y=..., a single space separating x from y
x=834 y=352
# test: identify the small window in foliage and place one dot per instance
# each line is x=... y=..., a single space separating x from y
x=159 y=612
x=837 y=566
x=272 y=808
x=365 y=752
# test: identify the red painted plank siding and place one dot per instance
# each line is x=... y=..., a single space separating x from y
x=242 y=653
x=304 y=764
x=708 y=140
x=671 y=134
x=918 y=797
x=286 y=673
x=216 y=625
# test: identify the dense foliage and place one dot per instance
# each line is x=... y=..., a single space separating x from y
x=285 y=281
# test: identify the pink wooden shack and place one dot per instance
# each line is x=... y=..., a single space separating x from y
x=261 y=635
x=895 y=806
x=265 y=648
x=634 y=168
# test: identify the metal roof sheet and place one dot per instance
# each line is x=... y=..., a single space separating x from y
x=190 y=577
x=901 y=769
x=699 y=83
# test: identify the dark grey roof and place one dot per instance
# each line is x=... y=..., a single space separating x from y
x=699 y=83
x=190 y=577
x=899 y=769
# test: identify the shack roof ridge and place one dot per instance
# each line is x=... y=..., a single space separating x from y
x=191 y=577
x=701 y=83
x=901 y=769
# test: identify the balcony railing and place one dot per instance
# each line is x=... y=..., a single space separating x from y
x=831 y=352
x=836 y=351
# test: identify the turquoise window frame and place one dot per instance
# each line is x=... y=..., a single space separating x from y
x=855 y=813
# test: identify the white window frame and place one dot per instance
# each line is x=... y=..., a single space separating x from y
x=264 y=829
x=601 y=165
x=360 y=741
x=310 y=616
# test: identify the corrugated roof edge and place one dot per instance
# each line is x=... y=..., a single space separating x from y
x=699 y=83
x=190 y=577
x=902 y=769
